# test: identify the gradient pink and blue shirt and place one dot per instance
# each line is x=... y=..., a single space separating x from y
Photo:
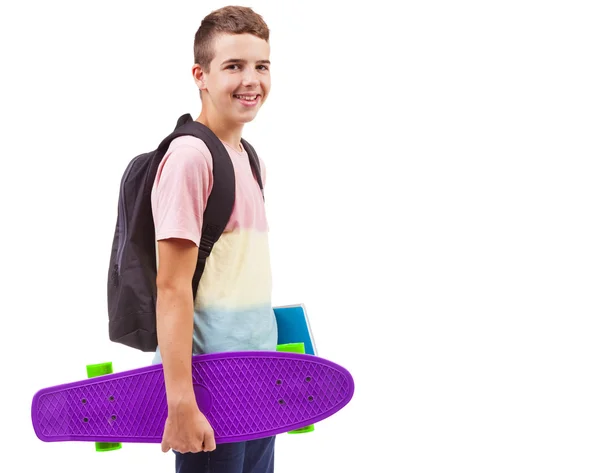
x=232 y=310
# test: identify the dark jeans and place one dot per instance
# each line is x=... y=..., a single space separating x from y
x=253 y=456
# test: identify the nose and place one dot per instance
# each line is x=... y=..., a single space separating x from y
x=250 y=77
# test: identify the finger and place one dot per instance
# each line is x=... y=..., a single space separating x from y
x=197 y=449
x=164 y=446
x=209 y=443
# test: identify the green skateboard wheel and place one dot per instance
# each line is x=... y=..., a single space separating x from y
x=99 y=369
x=303 y=430
x=292 y=347
x=107 y=446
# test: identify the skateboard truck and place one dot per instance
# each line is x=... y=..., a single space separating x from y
x=296 y=348
x=100 y=369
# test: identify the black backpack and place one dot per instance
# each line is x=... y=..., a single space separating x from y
x=133 y=269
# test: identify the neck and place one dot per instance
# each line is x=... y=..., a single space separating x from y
x=225 y=131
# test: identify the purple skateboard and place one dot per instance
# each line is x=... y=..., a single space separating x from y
x=244 y=395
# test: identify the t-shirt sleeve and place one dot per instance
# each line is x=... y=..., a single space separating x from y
x=181 y=189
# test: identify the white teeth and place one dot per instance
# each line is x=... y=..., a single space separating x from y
x=246 y=97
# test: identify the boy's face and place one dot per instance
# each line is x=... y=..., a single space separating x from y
x=239 y=80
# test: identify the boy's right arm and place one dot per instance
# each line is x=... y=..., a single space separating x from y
x=186 y=428
x=181 y=188
x=174 y=315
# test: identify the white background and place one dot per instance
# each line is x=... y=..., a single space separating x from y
x=433 y=196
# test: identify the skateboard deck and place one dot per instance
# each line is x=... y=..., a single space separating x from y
x=244 y=396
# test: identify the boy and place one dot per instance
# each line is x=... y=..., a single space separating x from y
x=232 y=309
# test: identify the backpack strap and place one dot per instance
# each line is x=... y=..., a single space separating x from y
x=254 y=164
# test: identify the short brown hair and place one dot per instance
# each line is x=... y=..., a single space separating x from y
x=232 y=20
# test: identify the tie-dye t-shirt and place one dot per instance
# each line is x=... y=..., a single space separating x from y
x=233 y=310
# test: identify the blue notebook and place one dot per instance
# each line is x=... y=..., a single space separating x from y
x=293 y=327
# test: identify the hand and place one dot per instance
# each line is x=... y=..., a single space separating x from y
x=187 y=430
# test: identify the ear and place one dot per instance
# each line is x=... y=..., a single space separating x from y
x=199 y=77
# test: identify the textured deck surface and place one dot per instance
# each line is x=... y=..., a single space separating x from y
x=243 y=395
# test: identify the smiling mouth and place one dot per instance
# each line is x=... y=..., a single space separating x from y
x=247 y=100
